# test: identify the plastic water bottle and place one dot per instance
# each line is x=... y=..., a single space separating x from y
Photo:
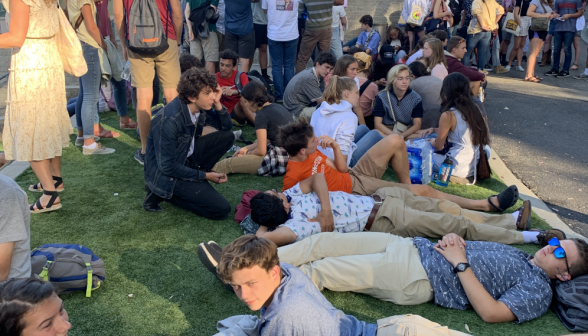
x=126 y=73
x=445 y=172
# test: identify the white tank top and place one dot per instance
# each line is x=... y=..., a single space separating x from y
x=465 y=155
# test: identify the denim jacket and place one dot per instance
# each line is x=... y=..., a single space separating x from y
x=168 y=144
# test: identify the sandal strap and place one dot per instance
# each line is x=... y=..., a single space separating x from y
x=58 y=180
x=38 y=204
x=494 y=206
x=53 y=195
x=36 y=186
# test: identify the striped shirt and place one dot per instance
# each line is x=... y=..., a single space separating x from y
x=563 y=7
x=320 y=13
x=405 y=109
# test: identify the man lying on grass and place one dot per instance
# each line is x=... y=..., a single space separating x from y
x=309 y=208
x=500 y=282
x=365 y=177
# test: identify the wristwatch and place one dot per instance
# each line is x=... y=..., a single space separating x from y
x=460 y=267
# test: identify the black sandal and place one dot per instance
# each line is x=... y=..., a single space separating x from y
x=50 y=206
x=507 y=198
x=58 y=181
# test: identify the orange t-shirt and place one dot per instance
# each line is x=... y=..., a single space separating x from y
x=316 y=163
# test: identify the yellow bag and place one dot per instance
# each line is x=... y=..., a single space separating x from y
x=70 y=48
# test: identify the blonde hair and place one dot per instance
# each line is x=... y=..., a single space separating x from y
x=437 y=56
x=334 y=91
x=393 y=74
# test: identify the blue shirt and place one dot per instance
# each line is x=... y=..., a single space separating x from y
x=298 y=308
x=238 y=17
x=504 y=271
x=372 y=44
x=566 y=7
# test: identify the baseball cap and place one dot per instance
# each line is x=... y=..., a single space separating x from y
x=387 y=53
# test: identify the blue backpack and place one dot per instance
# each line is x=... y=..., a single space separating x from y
x=68 y=267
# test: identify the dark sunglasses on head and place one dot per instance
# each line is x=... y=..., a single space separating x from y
x=559 y=252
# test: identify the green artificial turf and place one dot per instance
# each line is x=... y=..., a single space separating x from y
x=153 y=256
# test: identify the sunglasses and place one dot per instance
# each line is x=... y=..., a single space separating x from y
x=559 y=252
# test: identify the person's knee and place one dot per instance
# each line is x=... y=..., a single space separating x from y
x=220 y=211
x=422 y=190
x=395 y=141
x=227 y=138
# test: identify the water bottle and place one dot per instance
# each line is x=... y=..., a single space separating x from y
x=126 y=73
x=445 y=172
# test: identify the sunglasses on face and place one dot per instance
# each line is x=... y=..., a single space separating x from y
x=559 y=252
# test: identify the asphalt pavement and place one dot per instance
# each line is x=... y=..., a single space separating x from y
x=540 y=132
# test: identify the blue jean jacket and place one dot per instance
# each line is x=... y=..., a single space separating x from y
x=168 y=143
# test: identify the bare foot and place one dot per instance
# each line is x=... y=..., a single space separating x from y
x=494 y=201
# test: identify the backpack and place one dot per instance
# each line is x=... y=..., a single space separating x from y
x=253 y=75
x=364 y=86
x=68 y=267
x=145 y=33
x=455 y=7
x=571 y=303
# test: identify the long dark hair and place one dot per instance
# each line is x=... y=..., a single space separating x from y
x=342 y=64
x=456 y=93
x=17 y=298
x=256 y=92
x=390 y=29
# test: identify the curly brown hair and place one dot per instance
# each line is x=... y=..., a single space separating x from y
x=193 y=82
x=246 y=252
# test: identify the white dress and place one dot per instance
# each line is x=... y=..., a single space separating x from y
x=36 y=125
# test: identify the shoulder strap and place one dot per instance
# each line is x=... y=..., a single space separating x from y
x=238 y=84
x=541 y=3
x=390 y=102
x=364 y=86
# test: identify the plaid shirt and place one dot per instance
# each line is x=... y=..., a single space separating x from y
x=274 y=162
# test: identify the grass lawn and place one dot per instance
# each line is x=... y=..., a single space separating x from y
x=153 y=255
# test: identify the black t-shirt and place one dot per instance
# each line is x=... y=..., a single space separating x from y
x=380 y=71
x=271 y=118
x=524 y=6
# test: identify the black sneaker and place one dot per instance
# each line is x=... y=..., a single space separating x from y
x=139 y=157
x=563 y=73
x=551 y=73
x=524 y=58
x=269 y=80
x=210 y=254
x=151 y=202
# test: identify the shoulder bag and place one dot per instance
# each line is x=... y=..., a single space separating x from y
x=69 y=47
x=416 y=16
x=511 y=25
x=399 y=127
x=540 y=24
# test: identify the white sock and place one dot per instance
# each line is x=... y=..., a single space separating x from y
x=530 y=237
x=515 y=215
x=92 y=146
x=586 y=71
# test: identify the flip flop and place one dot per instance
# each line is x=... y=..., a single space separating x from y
x=532 y=80
x=538 y=78
x=107 y=134
x=574 y=67
x=507 y=198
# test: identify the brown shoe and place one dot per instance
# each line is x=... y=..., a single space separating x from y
x=128 y=125
x=524 y=220
x=545 y=236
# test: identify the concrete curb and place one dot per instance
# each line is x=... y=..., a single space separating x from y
x=539 y=207
x=14 y=169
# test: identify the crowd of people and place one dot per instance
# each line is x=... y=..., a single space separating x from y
x=330 y=119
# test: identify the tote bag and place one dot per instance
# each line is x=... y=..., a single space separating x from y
x=511 y=25
x=416 y=16
x=70 y=48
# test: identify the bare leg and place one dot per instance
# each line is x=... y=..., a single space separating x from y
x=245 y=64
x=392 y=149
x=210 y=66
x=43 y=171
x=263 y=56
x=171 y=93
x=536 y=45
x=207 y=130
x=243 y=113
x=475 y=86
x=410 y=39
x=2 y=160
x=144 y=98
x=465 y=203
x=577 y=49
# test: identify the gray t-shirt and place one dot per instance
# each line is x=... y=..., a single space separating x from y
x=539 y=9
x=303 y=90
x=15 y=223
x=259 y=16
x=429 y=88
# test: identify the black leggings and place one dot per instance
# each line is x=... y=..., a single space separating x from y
x=201 y=197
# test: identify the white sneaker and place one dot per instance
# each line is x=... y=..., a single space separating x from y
x=100 y=149
x=520 y=68
x=507 y=68
x=80 y=142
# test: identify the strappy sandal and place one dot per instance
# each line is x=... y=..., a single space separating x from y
x=506 y=198
x=532 y=80
x=50 y=206
x=39 y=187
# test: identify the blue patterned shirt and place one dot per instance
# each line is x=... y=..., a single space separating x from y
x=350 y=212
x=405 y=109
x=504 y=271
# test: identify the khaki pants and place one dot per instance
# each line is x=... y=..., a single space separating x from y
x=407 y=215
x=311 y=39
x=366 y=176
x=246 y=164
x=412 y=325
x=307 y=112
x=381 y=265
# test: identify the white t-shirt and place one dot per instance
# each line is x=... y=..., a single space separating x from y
x=282 y=17
x=350 y=212
x=338 y=13
x=194 y=118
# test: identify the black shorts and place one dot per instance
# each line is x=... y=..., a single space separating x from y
x=414 y=29
x=540 y=34
x=244 y=45
x=260 y=34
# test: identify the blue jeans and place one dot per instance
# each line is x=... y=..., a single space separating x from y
x=336 y=47
x=120 y=97
x=566 y=38
x=71 y=106
x=481 y=41
x=351 y=43
x=364 y=139
x=283 y=58
x=87 y=103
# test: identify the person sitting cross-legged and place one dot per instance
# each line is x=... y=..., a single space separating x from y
x=309 y=208
x=179 y=158
x=299 y=140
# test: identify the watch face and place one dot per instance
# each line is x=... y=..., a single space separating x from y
x=461 y=267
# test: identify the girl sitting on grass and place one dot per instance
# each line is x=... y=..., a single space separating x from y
x=435 y=58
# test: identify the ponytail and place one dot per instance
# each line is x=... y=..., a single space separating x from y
x=337 y=85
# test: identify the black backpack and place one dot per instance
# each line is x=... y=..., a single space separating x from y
x=253 y=75
x=455 y=6
x=571 y=303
